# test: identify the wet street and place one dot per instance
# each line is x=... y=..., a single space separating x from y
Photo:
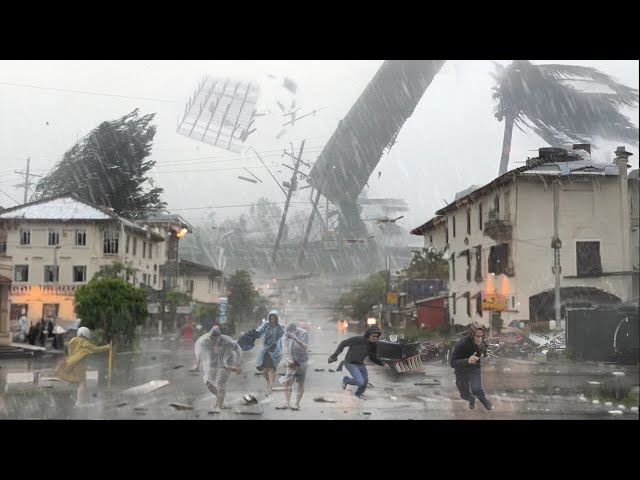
x=519 y=389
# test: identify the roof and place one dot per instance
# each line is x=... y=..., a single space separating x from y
x=430 y=225
x=61 y=207
x=536 y=167
x=633 y=175
x=68 y=207
x=191 y=268
x=168 y=218
x=431 y=299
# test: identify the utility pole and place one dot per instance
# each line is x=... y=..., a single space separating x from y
x=26 y=183
x=387 y=276
x=556 y=245
x=292 y=187
x=308 y=229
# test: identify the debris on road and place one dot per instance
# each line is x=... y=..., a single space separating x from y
x=323 y=400
x=181 y=406
x=146 y=387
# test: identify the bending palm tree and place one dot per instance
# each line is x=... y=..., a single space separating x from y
x=539 y=97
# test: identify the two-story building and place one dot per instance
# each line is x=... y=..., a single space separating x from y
x=499 y=238
x=52 y=246
x=201 y=282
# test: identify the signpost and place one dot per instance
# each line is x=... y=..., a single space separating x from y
x=222 y=308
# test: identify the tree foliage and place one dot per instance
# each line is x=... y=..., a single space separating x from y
x=242 y=296
x=109 y=167
x=114 y=306
x=364 y=295
x=545 y=99
x=427 y=263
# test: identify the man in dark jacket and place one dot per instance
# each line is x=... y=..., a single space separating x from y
x=465 y=360
x=360 y=347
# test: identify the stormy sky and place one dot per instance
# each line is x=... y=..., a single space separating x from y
x=450 y=142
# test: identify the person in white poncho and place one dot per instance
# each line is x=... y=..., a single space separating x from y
x=295 y=344
x=219 y=355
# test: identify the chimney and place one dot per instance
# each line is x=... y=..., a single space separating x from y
x=625 y=218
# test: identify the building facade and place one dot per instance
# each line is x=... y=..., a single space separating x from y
x=500 y=239
x=52 y=246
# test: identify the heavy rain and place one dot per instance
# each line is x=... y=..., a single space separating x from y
x=319 y=240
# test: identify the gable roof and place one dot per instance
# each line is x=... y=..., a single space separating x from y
x=69 y=207
x=60 y=207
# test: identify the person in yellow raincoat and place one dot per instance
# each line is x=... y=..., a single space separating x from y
x=73 y=368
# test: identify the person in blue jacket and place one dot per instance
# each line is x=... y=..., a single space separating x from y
x=271 y=352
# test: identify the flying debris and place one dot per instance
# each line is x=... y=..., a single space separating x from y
x=247 y=179
x=220 y=113
x=290 y=85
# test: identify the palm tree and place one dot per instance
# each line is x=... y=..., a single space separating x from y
x=541 y=98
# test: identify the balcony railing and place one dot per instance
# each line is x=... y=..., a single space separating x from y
x=497 y=228
x=17 y=290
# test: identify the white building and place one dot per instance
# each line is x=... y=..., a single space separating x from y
x=499 y=238
x=201 y=282
x=50 y=247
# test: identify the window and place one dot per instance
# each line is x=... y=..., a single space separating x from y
x=588 y=262
x=154 y=279
x=18 y=310
x=150 y=249
x=446 y=235
x=110 y=243
x=25 y=237
x=191 y=286
x=431 y=239
x=478 y=277
x=496 y=203
x=453 y=303
x=499 y=259
x=50 y=311
x=126 y=245
x=21 y=273
x=480 y=216
x=479 y=304
x=81 y=238
x=144 y=278
x=79 y=273
x=453 y=266
x=468 y=222
x=507 y=206
x=54 y=237
x=453 y=226
x=467 y=297
x=135 y=245
x=144 y=249
x=51 y=273
x=467 y=254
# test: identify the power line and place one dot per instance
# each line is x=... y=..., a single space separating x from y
x=17 y=202
x=196 y=161
x=227 y=206
x=86 y=93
